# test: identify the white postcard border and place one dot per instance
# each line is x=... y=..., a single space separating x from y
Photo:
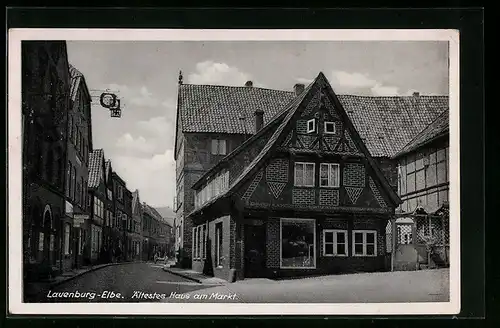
x=16 y=306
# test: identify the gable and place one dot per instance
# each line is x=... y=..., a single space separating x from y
x=343 y=146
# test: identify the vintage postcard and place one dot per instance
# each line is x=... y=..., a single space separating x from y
x=233 y=172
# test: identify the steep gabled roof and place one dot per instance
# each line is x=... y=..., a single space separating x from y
x=96 y=169
x=77 y=80
x=291 y=110
x=386 y=124
x=135 y=200
x=440 y=127
x=108 y=170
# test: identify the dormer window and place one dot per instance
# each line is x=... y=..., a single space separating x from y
x=311 y=126
x=330 y=127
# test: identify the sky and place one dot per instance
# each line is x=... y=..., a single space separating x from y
x=145 y=76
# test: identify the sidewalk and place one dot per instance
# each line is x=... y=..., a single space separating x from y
x=383 y=287
x=195 y=276
x=33 y=289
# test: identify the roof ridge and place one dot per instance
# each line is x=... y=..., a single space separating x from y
x=236 y=87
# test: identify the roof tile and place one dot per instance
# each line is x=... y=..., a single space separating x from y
x=385 y=123
x=95 y=167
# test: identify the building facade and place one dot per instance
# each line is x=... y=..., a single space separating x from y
x=123 y=212
x=317 y=190
x=136 y=228
x=98 y=202
x=423 y=220
x=79 y=145
x=46 y=87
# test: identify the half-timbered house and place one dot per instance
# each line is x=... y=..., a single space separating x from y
x=311 y=191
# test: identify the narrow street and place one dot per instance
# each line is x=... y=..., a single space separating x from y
x=103 y=285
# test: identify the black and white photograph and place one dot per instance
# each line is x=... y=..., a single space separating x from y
x=233 y=172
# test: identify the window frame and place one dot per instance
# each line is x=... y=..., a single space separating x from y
x=313 y=129
x=304 y=164
x=335 y=243
x=364 y=243
x=325 y=130
x=329 y=165
x=314 y=245
x=216 y=147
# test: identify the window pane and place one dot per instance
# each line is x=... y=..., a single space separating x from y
x=340 y=237
x=370 y=249
x=334 y=175
x=222 y=147
x=329 y=249
x=299 y=174
x=358 y=237
x=341 y=249
x=215 y=146
x=370 y=238
x=358 y=249
x=328 y=237
x=309 y=178
x=297 y=243
x=324 y=171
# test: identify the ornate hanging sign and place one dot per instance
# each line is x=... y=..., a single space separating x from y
x=108 y=100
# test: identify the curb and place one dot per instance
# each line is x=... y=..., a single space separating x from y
x=62 y=281
x=182 y=275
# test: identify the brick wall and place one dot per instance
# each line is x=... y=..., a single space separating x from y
x=354 y=175
x=303 y=196
x=329 y=197
x=301 y=126
x=273 y=243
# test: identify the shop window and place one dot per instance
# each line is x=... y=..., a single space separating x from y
x=334 y=242
x=364 y=243
x=298 y=243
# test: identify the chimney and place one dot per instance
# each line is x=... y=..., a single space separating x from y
x=416 y=94
x=259 y=120
x=249 y=84
x=298 y=88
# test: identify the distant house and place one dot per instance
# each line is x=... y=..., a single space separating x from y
x=97 y=201
x=309 y=189
x=136 y=229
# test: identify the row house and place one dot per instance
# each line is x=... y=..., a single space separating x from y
x=156 y=233
x=98 y=203
x=123 y=212
x=135 y=231
x=79 y=145
x=423 y=216
x=46 y=87
x=311 y=187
